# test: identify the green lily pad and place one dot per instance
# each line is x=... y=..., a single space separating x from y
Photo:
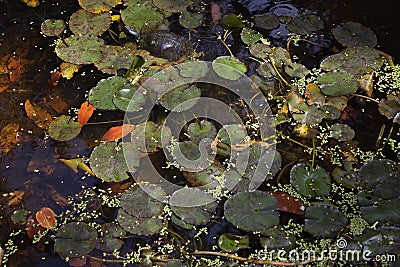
x=324 y=221
x=260 y=50
x=390 y=107
x=199 y=130
x=277 y=239
x=354 y=60
x=330 y=112
x=267 y=21
x=181 y=98
x=232 y=21
x=311 y=115
x=95 y=6
x=75 y=239
x=101 y=96
x=257 y=207
x=281 y=56
x=296 y=70
x=52 y=27
x=192 y=205
x=64 y=128
x=229 y=67
x=111 y=239
x=354 y=34
x=381 y=240
x=375 y=209
x=109 y=163
x=79 y=49
x=130 y=98
x=193 y=70
x=140 y=213
x=115 y=58
x=181 y=223
x=138 y=15
x=310 y=181
x=337 y=83
x=376 y=171
x=84 y=22
x=232 y=243
x=151 y=135
x=206 y=176
x=19 y=216
x=250 y=36
x=172 y=6
x=190 y=20
x=232 y=134
x=305 y=24
x=342 y=132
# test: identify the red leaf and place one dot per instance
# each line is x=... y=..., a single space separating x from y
x=32 y=227
x=289 y=204
x=85 y=112
x=117 y=132
x=215 y=12
x=46 y=218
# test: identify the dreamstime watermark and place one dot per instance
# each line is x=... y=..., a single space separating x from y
x=340 y=253
x=212 y=109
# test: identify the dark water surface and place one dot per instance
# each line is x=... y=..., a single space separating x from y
x=32 y=167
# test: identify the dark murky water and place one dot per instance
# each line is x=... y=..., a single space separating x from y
x=33 y=167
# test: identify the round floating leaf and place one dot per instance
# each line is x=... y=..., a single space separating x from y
x=181 y=98
x=277 y=239
x=376 y=172
x=75 y=239
x=306 y=24
x=190 y=20
x=232 y=134
x=250 y=36
x=111 y=239
x=96 y=6
x=324 y=221
x=258 y=208
x=151 y=135
x=172 y=6
x=390 y=107
x=311 y=115
x=199 y=130
x=109 y=163
x=79 y=49
x=130 y=98
x=260 y=50
x=310 y=181
x=354 y=60
x=354 y=34
x=46 y=218
x=84 y=22
x=231 y=243
x=296 y=70
x=64 y=128
x=337 y=83
x=267 y=21
x=140 y=213
x=138 y=15
x=232 y=21
x=52 y=27
x=206 y=176
x=330 y=112
x=375 y=209
x=229 y=67
x=381 y=240
x=347 y=178
x=181 y=223
x=115 y=58
x=342 y=132
x=193 y=205
x=193 y=69
x=101 y=96
x=19 y=216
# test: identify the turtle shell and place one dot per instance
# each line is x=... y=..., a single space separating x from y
x=166 y=44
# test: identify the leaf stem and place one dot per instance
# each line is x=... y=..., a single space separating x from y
x=366 y=97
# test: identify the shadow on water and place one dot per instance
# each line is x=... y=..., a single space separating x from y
x=33 y=167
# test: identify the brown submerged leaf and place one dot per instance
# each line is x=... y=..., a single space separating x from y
x=38 y=115
x=9 y=137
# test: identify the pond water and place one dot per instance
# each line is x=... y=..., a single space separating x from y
x=31 y=165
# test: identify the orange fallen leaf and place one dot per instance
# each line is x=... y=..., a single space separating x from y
x=38 y=115
x=117 y=132
x=16 y=197
x=32 y=227
x=85 y=112
x=289 y=204
x=46 y=218
x=215 y=12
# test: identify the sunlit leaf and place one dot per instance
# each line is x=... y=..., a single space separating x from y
x=115 y=58
x=46 y=218
x=101 y=96
x=95 y=6
x=259 y=209
x=172 y=6
x=180 y=98
x=79 y=49
x=232 y=243
x=117 y=132
x=68 y=69
x=260 y=50
x=53 y=27
x=85 y=112
x=296 y=70
x=310 y=181
x=337 y=83
x=367 y=83
x=76 y=163
x=137 y=16
x=64 y=128
x=229 y=67
x=354 y=34
x=342 y=132
x=84 y=22
x=190 y=20
x=130 y=97
x=250 y=36
x=324 y=221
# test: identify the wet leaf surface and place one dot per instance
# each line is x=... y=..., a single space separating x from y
x=354 y=34
x=232 y=243
x=53 y=27
x=83 y=22
x=342 y=132
x=46 y=218
x=117 y=132
x=96 y=6
x=310 y=181
x=80 y=49
x=64 y=128
x=85 y=112
x=337 y=83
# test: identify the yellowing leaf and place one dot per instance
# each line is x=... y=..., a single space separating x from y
x=46 y=218
x=367 y=83
x=117 y=132
x=31 y=3
x=76 y=163
x=38 y=115
x=68 y=69
x=16 y=197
